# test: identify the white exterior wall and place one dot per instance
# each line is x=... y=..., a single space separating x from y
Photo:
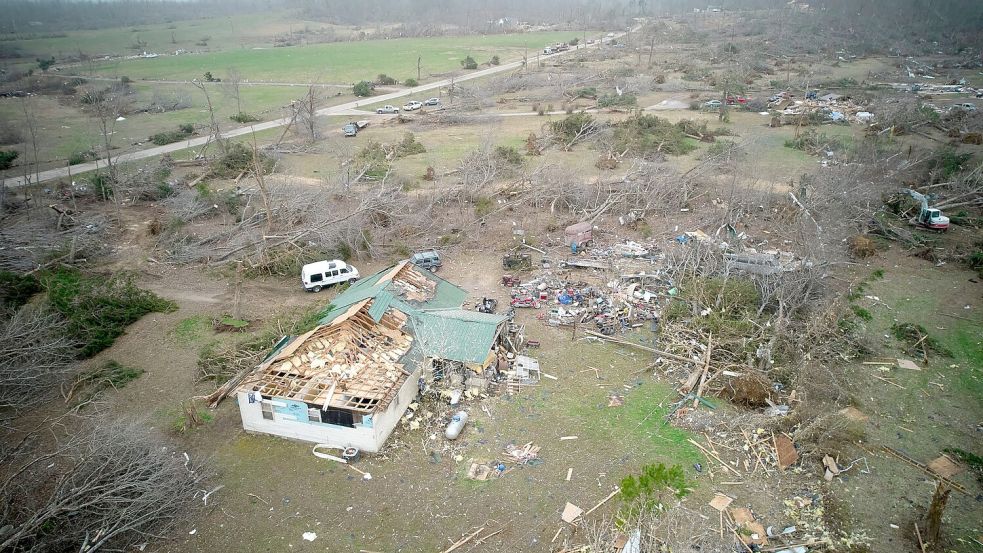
x=367 y=439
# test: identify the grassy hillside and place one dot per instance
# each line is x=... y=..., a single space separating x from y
x=339 y=62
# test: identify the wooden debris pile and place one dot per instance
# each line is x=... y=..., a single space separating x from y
x=413 y=285
x=351 y=363
x=522 y=454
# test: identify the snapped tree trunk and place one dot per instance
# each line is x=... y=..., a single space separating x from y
x=933 y=522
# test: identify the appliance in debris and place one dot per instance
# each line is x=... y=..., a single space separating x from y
x=488 y=305
x=526 y=370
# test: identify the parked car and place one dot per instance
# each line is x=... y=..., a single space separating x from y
x=319 y=275
x=734 y=100
x=966 y=107
x=387 y=109
x=432 y=102
x=412 y=106
x=547 y=50
x=350 y=129
x=429 y=260
x=712 y=104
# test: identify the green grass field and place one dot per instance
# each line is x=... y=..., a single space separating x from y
x=240 y=31
x=339 y=62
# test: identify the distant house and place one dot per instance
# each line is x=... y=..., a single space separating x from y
x=348 y=382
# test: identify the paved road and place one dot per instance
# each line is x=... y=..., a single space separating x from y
x=341 y=109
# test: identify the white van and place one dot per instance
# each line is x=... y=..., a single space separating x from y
x=316 y=276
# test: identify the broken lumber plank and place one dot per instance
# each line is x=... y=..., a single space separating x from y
x=603 y=501
x=463 y=541
x=706 y=369
x=619 y=341
x=904 y=457
x=711 y=455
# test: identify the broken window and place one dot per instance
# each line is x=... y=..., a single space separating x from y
x=267 y=410
x=339 y=417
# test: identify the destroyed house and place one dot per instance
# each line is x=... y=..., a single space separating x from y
x=348 y=382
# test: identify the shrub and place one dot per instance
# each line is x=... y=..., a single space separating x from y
x=947 y=162
x=111 y=374
x=648 y=134
x=411 y=82
x=385 y=80
x=589 y=92
x=16 y=290
x=373 y=156
x=239 y=158
x=813 y=142
x=495 y=60
x=483 y=205
x=362 y=88
x=7 y=158
x=409 y=146
x=614 y=100
x=81 y=157
x=45 y=64
x=648 y=492
x=99 y=309
x=722 y=149
x=509 y=154
x=168 y=137
x=916 y=338
x=243 y=118
x=469 y=63
x=574 y=41
x=566 y=129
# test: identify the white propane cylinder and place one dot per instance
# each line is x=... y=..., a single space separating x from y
x=456 y=425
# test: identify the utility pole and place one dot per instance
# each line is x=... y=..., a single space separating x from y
x=418 y=60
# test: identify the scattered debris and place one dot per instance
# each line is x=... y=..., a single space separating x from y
x=570 y=513
x=787 y=455
x=524 y=454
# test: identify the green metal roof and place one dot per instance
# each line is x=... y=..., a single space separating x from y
x=380 y=304
x=456 y=335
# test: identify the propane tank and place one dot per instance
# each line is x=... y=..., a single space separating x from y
x=456 y=425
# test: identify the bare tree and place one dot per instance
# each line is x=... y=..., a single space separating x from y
x=261 y=181
x=232 y=85
x=216 y=131
x=111 y=486
x=36 y=355
x=306 y=110
x=31 y=123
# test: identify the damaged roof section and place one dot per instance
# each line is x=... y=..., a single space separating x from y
x=351 y=363
x=404 y=285
x=371 y=340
